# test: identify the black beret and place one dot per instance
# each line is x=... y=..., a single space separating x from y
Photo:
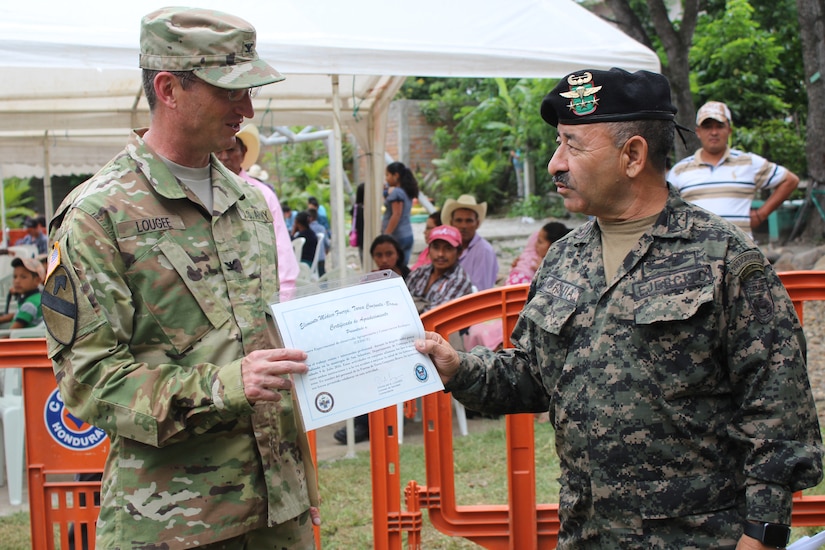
x=590 y=96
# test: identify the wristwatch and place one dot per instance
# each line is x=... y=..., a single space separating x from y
x=769 y=534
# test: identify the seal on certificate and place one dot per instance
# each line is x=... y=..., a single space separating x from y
x=324 y=402
x=421 y=373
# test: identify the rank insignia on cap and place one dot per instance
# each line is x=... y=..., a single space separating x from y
x=582 y=94
x=627 y=96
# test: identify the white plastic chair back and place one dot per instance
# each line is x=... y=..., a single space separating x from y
x=318 y=248
x=12 y=432
x=298 y=246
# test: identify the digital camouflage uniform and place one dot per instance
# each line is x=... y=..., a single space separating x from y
x=678 y=391
x=150 y=305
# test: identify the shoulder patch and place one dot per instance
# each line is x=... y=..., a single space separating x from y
x=749 y=268
x=59 y=304
x=748 y=264
x=54 y=259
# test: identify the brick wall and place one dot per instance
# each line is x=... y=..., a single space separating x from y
x=409 y=138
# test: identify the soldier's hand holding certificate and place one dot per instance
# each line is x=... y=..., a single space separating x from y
x=360 y=349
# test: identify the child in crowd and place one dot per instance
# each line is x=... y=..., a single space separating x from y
x=29 y=274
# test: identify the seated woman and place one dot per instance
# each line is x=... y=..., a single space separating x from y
x=443 y=279
x=387 y=254
x=528 y=262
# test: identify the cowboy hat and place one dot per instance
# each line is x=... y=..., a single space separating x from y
x=251 y=140
x=464 y=201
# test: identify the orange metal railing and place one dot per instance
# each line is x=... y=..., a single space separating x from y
x=522 y=523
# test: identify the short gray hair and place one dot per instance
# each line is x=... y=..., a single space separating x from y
x=149 y=75
x=659 y=135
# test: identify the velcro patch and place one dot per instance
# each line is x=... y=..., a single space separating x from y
x=750 y=270
x=255 y=214
x=676 y=281
x=561 y=289
x=59 y=304
x=747 y=264
x=153 y=224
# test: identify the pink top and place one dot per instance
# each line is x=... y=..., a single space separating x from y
x=490 y=333
x=423 y=259
x=527 y=264
x=287 y=262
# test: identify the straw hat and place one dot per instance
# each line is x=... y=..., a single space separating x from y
x=464 y=201
x=252 y=141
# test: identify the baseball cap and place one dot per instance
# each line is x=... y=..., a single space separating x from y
x=217 y=47
x=590 y=95
x=716 y=110
x=445 y=233
x=32 y=264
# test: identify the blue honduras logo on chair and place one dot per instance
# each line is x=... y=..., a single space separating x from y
x=68 y=430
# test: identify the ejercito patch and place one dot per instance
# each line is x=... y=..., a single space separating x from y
x=750 y=270
x=59 y=304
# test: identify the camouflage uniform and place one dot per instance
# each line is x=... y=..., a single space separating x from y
x=151 y=304
x=678 y=392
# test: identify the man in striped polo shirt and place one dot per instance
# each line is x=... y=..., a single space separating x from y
x=725 y=180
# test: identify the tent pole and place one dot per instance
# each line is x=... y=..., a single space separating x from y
x=5 y=242
x=337 y=183
x=48 y=206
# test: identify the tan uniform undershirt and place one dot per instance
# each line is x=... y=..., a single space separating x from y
x=199 y=180
x=618 y=238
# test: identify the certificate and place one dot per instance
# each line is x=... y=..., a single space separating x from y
x=359 y=342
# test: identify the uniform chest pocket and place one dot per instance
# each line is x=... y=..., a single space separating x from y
x=549 y=313
x=673 y=306
x=677 y=344
x=176 y=293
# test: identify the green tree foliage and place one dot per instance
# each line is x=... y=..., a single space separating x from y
x=736 y=61
x=298 y=171
x=776 y=140
x=482 y=124
x=17 y=194
x=779 y=19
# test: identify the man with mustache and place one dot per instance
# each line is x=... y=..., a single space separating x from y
x=660 y=340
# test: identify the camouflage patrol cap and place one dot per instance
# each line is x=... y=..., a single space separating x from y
x=591 y=95
x=217 y=47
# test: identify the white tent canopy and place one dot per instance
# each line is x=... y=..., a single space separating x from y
x=70 y=87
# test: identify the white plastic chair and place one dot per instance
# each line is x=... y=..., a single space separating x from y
x=298 y=247
x=318 y=248
x=460 y=415
x=12 y=423
x=12 y=429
